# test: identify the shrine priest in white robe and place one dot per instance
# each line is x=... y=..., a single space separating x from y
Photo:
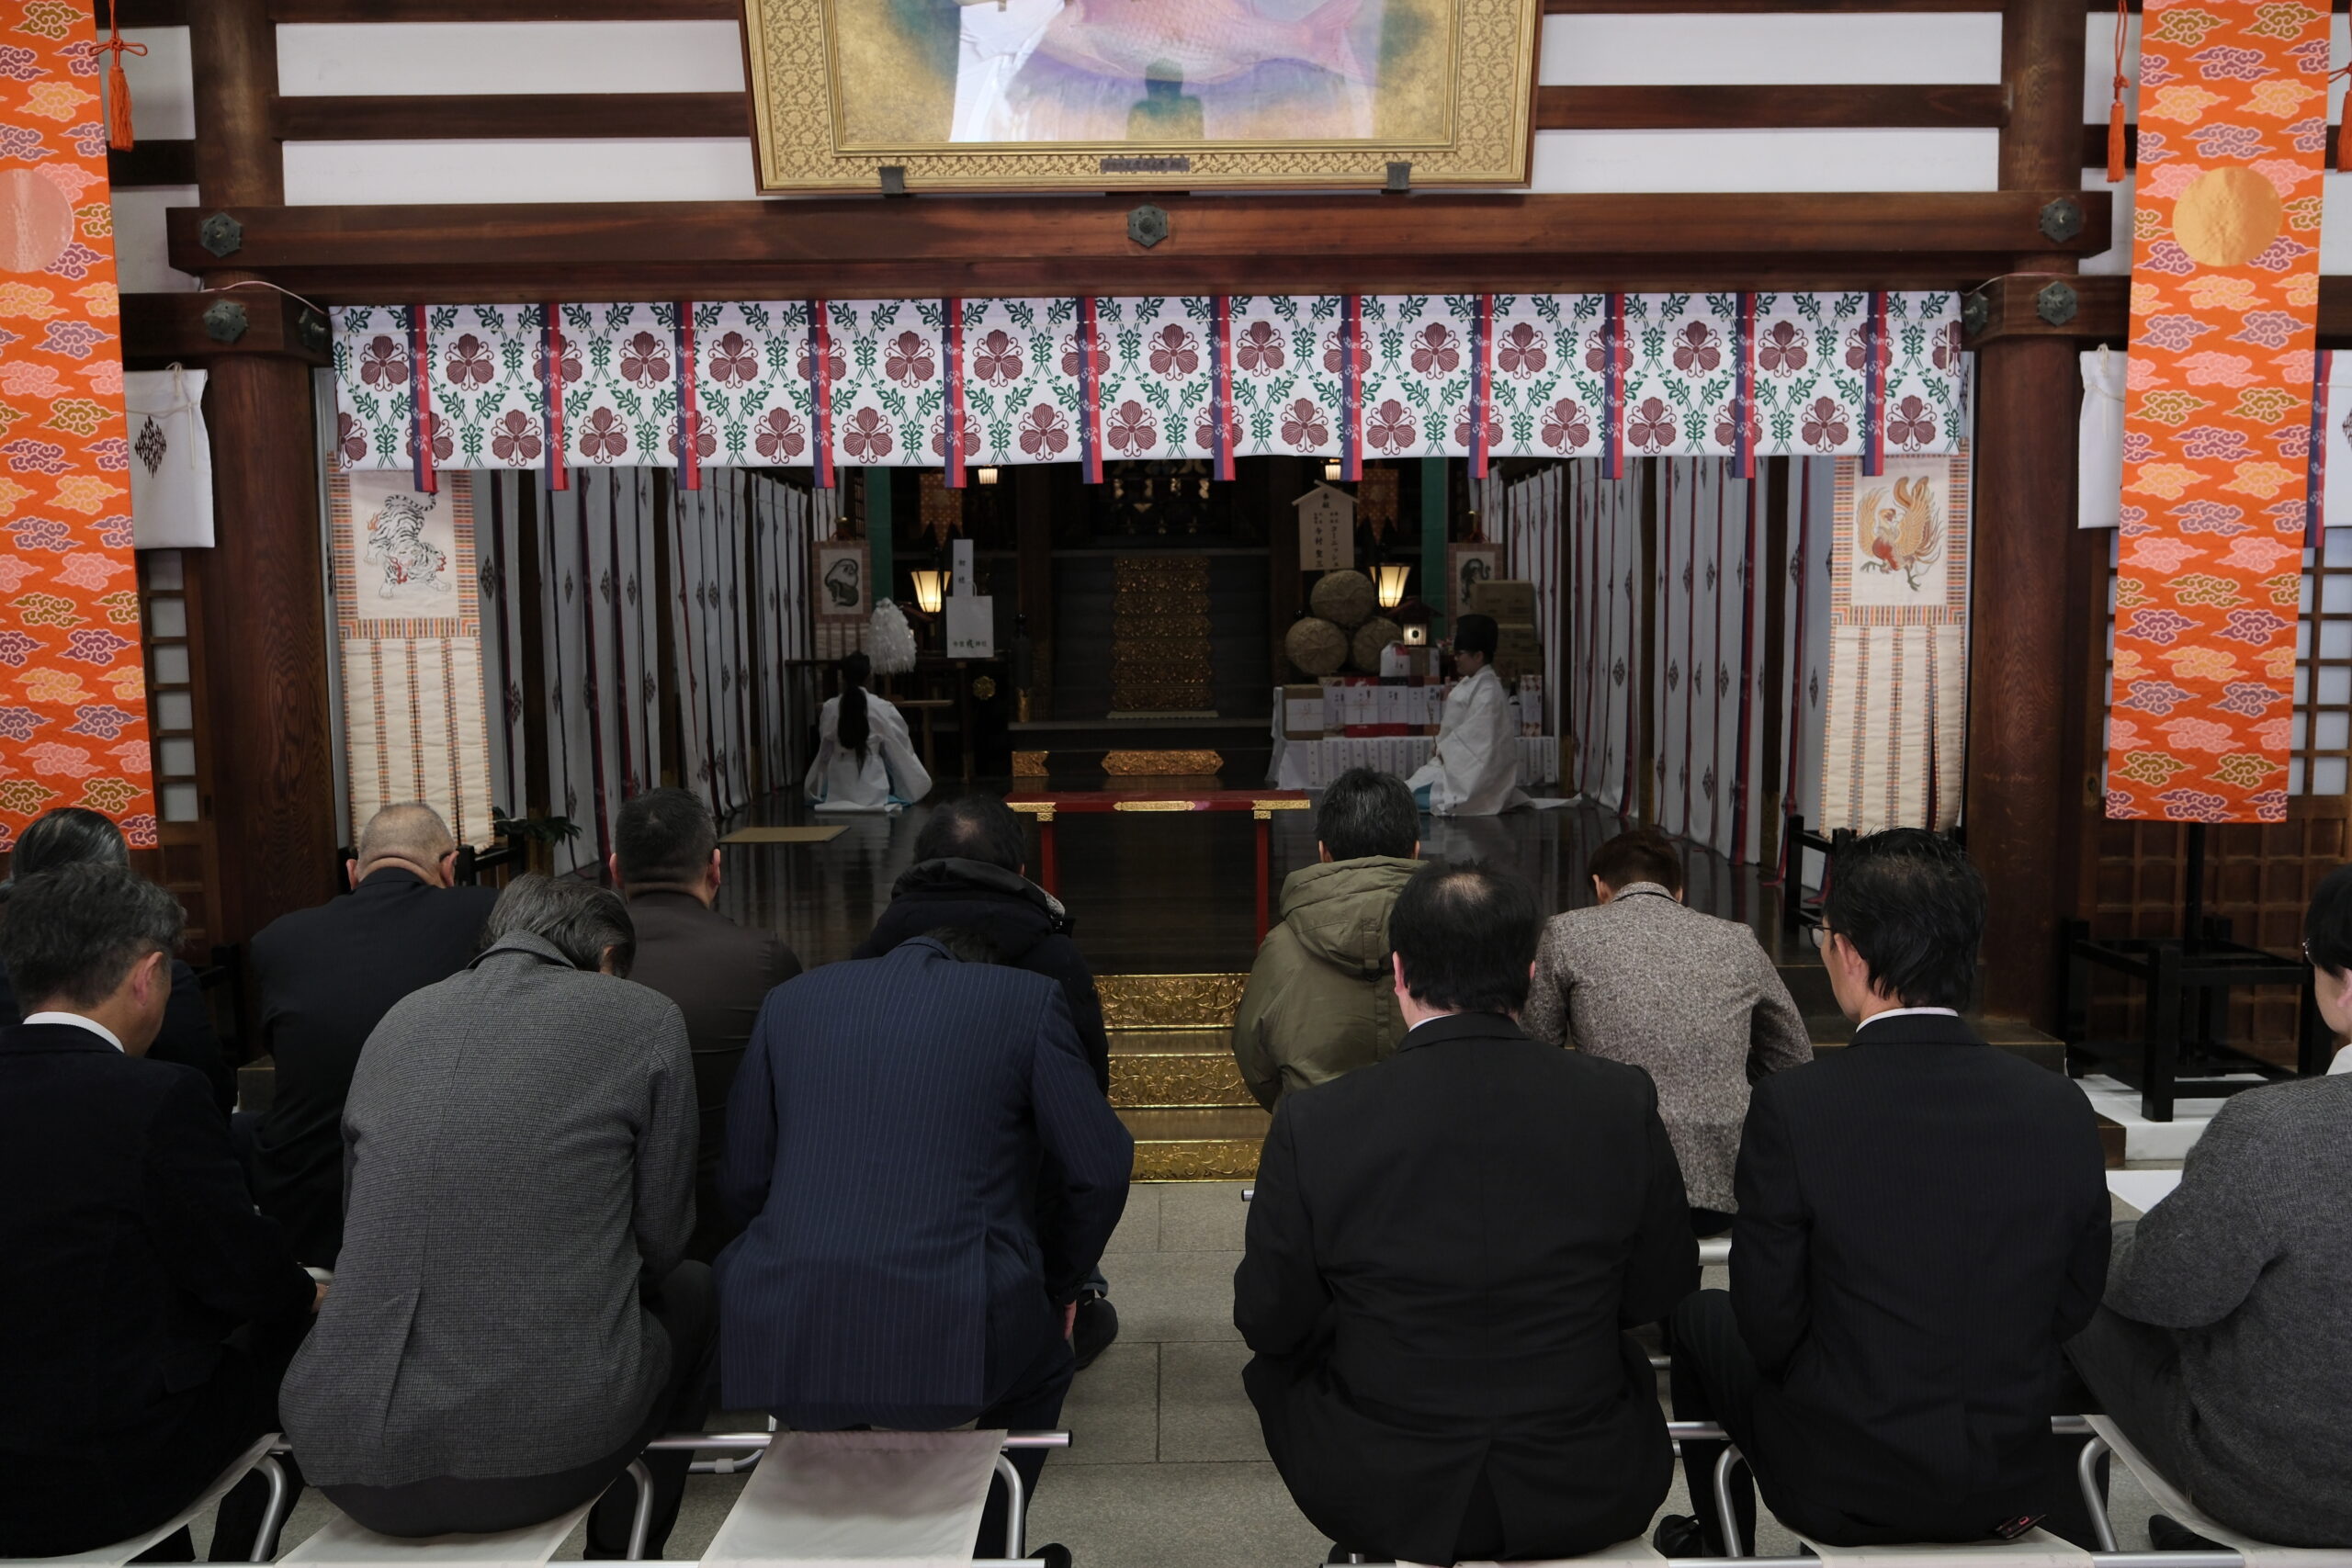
x=864 y=760
x=1474 y=771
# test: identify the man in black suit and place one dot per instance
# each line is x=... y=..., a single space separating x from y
x=1923 y=1222
x=665 y=862
x=326 y=978
x=1444 y=1253
x=146 y=1312
x=926 y=1173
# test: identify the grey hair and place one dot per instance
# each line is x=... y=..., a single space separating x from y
x=581 y=918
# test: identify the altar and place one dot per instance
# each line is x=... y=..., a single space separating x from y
x=1262 y=805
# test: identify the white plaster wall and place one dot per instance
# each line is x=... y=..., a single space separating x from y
x=1599 y=50
x=349 y=59
x=1593 y=162
x=351 y=172
x=138 y=246
x=162 y=92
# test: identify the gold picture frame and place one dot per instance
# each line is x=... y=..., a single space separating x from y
x=1043 y=95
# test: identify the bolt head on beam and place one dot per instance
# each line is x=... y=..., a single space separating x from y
x=2056 y=304
x=225 y=320
x=1976 y=313
x=1146 y=225
x=2062 y=219
x=220 y=234
x=311 y=326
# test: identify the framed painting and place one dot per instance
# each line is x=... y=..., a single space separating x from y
x=1094 y=94
x=1466 y=565
x=841 y=571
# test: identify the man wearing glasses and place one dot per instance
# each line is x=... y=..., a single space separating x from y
x=1923 y=1222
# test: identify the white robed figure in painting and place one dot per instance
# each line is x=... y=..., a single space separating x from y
x=864 y=760
x=1474 y=771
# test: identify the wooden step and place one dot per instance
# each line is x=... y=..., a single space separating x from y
x=1201 y=1143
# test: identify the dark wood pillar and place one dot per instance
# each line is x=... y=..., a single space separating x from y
x=2019 y=799
x=265 y=644
x=1033 y=512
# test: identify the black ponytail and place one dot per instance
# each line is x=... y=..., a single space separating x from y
x=850 y=729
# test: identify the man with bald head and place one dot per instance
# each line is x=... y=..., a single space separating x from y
x=326 y=978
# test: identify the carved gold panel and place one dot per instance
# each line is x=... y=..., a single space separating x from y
x=1161 y=1082
x=1112 y=95
x=1205 y=1159
x=1162 y=765
x=1170 y=1001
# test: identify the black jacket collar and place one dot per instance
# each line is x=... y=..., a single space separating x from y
x=1462 y=1026
x=387 y=880
x=52 y=1037
x=1918 y=1029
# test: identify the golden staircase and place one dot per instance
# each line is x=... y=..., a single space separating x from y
x=1172 y=1077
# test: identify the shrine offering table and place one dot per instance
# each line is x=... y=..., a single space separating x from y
x=1262 y=805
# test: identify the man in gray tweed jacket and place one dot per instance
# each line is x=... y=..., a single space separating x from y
x=1688 y=998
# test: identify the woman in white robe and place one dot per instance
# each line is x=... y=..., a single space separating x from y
x=1475 y=770
x=864 y=760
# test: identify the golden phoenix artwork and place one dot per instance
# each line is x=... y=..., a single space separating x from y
x=1102 y=94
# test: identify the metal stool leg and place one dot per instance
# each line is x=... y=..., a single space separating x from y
x=1016 y=1508
x=2086 y=1477
x=273 y=1514
x=1733 y=1545
x=641 y=1524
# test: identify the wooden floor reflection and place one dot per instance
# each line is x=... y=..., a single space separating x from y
x=1170 y=893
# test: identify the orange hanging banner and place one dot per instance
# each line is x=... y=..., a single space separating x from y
x=73 y=684
x=2217 y=418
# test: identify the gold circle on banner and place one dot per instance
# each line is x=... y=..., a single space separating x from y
x=2228 y=217
x=36 y=221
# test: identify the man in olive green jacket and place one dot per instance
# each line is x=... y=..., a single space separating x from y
x=1320 y=1002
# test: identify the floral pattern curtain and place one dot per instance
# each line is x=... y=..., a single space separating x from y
x=909 y=383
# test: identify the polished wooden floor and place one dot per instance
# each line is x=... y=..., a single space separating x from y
x=1160 y=893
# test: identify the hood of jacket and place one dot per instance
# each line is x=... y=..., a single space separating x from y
x=1338 y=910
x=1012 y=911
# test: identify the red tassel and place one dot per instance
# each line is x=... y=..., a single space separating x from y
x=118 y=107
x=117 y=85
x=2115 y=106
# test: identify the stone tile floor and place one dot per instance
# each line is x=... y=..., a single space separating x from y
x=1166 y=1467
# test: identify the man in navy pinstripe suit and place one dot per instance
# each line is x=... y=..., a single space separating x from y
x=927 y=1172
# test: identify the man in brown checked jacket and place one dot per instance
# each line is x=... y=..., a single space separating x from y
x=1690 y=999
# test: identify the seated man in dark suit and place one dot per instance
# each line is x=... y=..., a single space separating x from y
x=927 y=1172
x=326 y=976
x=1444 y=1253
x=971 y=873
x=665 y=862
x=1923 y=1223
x=146 y=1312
x=73 y=833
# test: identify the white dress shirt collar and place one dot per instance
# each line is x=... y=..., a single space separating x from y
x=76 y=1019
x=1908 y=1012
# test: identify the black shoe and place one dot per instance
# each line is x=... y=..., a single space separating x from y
x=1096 y=1327
x=1678 y=1535
x=2170 y=1534
x=1055 y=1554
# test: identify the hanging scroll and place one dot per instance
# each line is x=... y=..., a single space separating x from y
x=1897 y=719
x=2217 y=422
x=72 y=685
x=880 y=382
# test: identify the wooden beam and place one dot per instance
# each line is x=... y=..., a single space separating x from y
x=151 y=164
x=512 y=116
x=2103 y=310
x=1776 y=106
x=2095 y=144
x=158 y=329
x=535 y=116
x=1032 y=244
x=144 y=13
x=506 y=11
